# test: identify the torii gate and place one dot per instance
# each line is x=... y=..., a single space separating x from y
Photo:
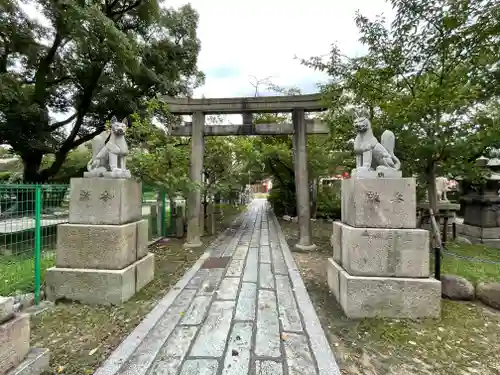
x=246 y=106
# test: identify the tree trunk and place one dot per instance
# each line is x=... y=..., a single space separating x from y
x=32 y=162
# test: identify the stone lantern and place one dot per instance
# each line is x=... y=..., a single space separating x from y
x=481 y=204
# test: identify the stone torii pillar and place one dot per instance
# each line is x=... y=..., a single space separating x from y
x=194 y=229
x=302 y=181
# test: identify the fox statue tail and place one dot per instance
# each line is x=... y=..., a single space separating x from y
x=387 y=140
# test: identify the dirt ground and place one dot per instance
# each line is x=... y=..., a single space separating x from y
x=81 y=337
x=466 y=340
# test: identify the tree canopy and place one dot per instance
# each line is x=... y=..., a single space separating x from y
x=427 y=77
x=84 y=62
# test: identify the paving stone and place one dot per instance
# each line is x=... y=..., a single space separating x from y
x=245 y=309
x=228 y=288
x=173 y=352
x=251 y=266
x=267 y=340
x=237 y=359
x=236 y=267
x=35 y=363
x=268 y=368
x=265 y=254
x=197 y=279
x=197 y=310
x=240 y=252
x=233 y=245
x=198 y=335
x=200 y=367
x=212 y=281
x=298 y=356
x=288 y=311
x=266 y=277
x=279 y=264
x=140 y=361
x=213 y=334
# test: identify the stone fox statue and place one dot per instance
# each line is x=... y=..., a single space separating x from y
x=109 y=152
x=370 y=154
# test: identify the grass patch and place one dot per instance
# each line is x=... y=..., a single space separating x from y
x=80 y=337
x=461 y=342
x=472 y=269
x=17 y=272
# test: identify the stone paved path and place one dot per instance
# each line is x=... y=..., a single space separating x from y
x=242 y=309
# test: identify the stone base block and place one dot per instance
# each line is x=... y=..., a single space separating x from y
x=145 y=271
x=379 y=202
x=479 y=232
x=380 y=251
x=104 y=201
x=14 y=342
x=304 y=248
x=36 y=363
x=142 y=238
x=96 y=246
x=484 y=241
x=6 y=308
x=384 y=297
x=96 y=286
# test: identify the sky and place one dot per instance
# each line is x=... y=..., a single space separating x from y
x=246 y=41
x=242 y=41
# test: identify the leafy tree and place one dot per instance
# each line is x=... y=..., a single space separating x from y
x=74 y=165
x=87 y=60
x=157 y=158
x=426 y=77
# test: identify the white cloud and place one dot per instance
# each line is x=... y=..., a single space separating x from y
x=261 y=37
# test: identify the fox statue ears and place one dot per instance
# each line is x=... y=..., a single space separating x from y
x=358 y=113
x=124 y=121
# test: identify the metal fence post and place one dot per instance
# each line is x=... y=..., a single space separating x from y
x=163 y=214
x=38 y=237
x=437 y=263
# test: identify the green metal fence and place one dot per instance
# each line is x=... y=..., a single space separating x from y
x=29 y=215
x=160 y=210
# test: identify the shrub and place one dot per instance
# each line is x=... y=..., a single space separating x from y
x=282 y=199
x=4 y=176
x=328 y=204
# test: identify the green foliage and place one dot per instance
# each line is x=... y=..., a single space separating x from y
x=329 y=205
x=427 y=77
x=156 y=158
x=14 y=165
x=74 y=165
x=88 y=61
x=282 y=199
x=4 y=176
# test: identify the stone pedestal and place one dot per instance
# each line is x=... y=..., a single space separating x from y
x=16 y=357
x=480 y=235
x=481 y=218
x=380 y=264
x=102 y=253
